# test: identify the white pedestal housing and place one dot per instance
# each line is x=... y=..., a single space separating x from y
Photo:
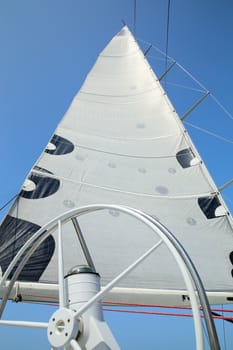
x=90 y=331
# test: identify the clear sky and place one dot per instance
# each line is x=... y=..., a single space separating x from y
x=48 y=47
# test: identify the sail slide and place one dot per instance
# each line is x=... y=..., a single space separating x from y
x=121 y=142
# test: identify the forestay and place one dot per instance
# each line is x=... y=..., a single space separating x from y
x=121 y=142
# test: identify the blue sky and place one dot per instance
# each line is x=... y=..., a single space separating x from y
x=48 y=47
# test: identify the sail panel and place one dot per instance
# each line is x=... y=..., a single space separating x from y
x=160 y=271
x=115 y=172
x=141 y=117
x=178 y=214
x=18 y=231
x=121 y=142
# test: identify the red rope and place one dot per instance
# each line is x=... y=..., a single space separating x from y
x=147 y=312
x=122 y=304
x=162 y=306
x=164 y=313
x=140 y=312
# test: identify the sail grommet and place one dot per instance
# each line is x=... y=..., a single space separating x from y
x=63 y=327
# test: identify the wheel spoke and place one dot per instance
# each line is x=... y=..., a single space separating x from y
x=111 y=284
x=60 y=267
x=74 y=345
x=24 y=324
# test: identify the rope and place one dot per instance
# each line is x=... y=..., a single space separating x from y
x=122 y=304
x=141 y=312
x=145 y=312
x=165 y=313
x=161 y=306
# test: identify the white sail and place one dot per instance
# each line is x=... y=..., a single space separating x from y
x=121 y=142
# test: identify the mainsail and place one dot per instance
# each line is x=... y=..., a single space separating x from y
x=122 y=142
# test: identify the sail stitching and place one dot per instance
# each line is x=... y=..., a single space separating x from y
x=115 y=103
x=119 y=56
x=122 y=95
x=124 y=155
x=81 y=183
x=94 y=149
x=128 y=139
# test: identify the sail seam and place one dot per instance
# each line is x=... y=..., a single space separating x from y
x=134 y=53
x=81 y=183
x=116 y=96
x=80 y=146
x=125 y=139
x=124 y=155
x=115 y=103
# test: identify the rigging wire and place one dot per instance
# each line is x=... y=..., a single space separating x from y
x=177 y=64
x=15 y=228
x=205 y=332
x=203 y=88
x=224 y=330
x=167 y=36
x=167 y=29
x=6 y=204
x=135 y=16
x=209 y=132
x=222 y=107
x=228 y=199
x=184 y=87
